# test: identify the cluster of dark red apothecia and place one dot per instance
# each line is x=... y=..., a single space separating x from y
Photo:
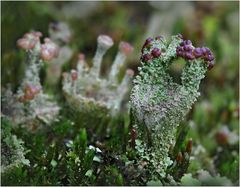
x=155 y=53
x=185 y=50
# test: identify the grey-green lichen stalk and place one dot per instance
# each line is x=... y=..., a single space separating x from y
x=30 y=103
x=158 y=104
x=87 y=93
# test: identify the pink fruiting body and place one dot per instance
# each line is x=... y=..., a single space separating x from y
x=105 y=41
x=29 y=40
x=125 y=47
x=49 y=50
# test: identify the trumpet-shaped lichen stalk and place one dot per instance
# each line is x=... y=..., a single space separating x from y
x=30 y=103
x=124 y=49
x=104 y=42
x=158 y=104
x=90 y=95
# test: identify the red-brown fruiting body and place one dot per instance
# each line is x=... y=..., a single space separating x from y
x=187 y=42
x=28 y=96
x=189 y=56
x=147 y=43
x=146 y=57
x=210 y=57
x=188 y=48
x=185 y=50
x=30 y=92
x=148 y=40
x=179 y=157
x=204 y=50
x=31 y=89
x=188 y=52
x=189 y=146
x=222 y=138
x=156 y=52
x=125 y=48
x=197 y=52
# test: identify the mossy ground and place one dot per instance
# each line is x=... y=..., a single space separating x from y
x=59 y=154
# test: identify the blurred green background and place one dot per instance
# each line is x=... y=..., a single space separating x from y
x=211 y=24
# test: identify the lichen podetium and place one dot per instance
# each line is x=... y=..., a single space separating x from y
x=30 y=104
x=91 y=98
x=158 y=104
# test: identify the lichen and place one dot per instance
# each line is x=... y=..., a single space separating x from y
x=158 y=104
x=30 y=104
x=92 y=97
x=12 y=150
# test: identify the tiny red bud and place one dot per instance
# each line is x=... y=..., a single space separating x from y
x=179 y=157
x=197 y=52
x=189 y=56
x=189 y=146
x=222 y=137
x=146 y=57
x=148 y=40
x=125 y=47
x=156 y=52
